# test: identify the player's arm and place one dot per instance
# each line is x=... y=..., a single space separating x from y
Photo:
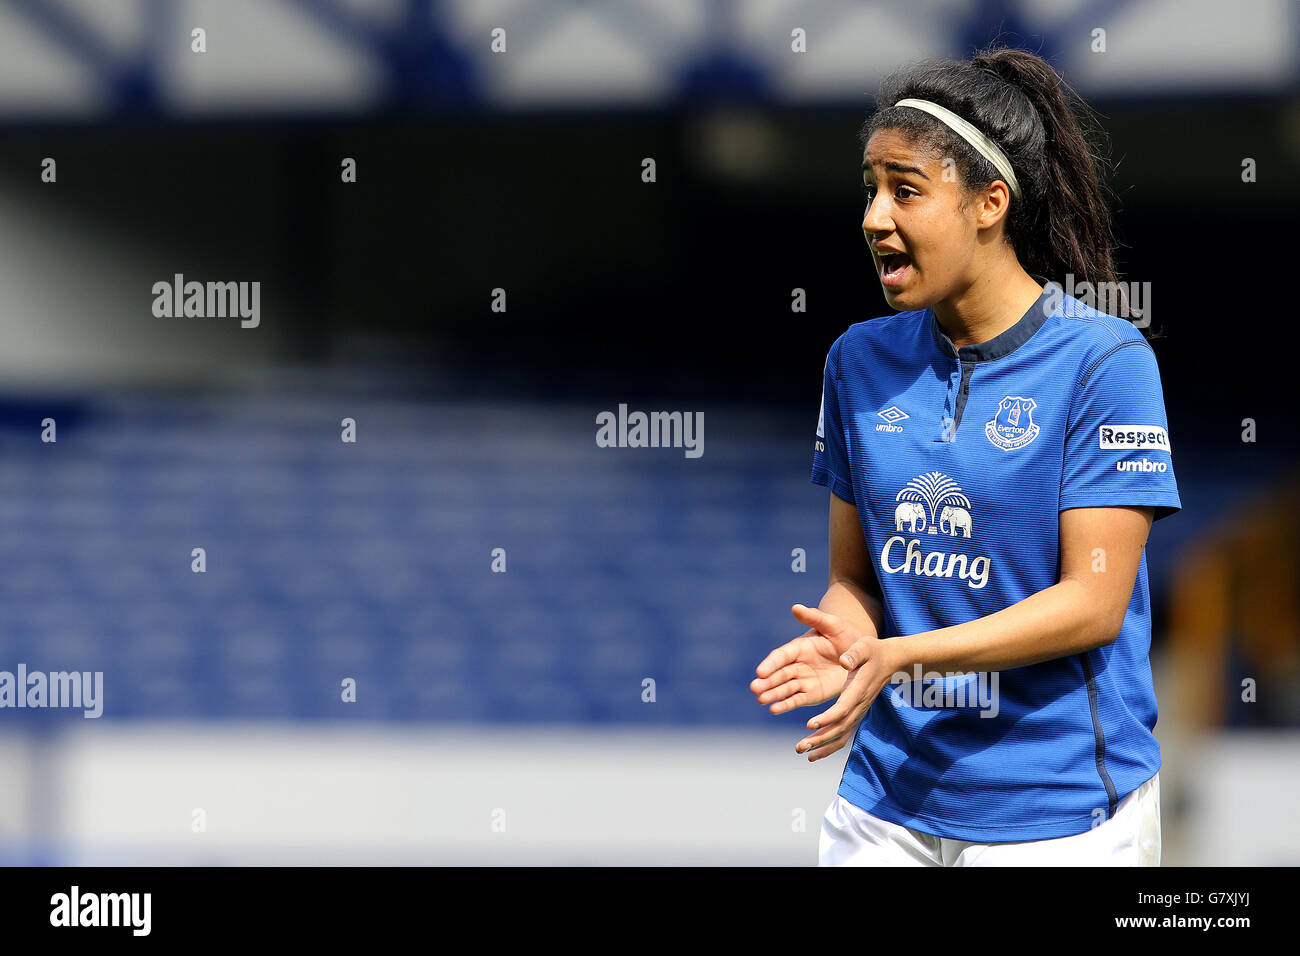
x=1101 y=549
x=1100 y=552
x=853 y=591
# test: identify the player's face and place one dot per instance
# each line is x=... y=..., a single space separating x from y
x=922 y=240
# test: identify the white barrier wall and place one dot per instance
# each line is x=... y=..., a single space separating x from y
x=1243 y=791
x=16 y=822
x=332 y=794
x=320 y=794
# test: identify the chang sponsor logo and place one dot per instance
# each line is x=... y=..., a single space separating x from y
x=932 y=504
x=935 y=564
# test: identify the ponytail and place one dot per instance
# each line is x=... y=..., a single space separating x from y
x=1073 y=227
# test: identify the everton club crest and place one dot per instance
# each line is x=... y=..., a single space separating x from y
x=1013 y=425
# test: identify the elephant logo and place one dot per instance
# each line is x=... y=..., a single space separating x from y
x=1012 y=425
x=909 y=512
x=925 y=494
x=957 y=519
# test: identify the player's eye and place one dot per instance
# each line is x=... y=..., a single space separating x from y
x=902 y=192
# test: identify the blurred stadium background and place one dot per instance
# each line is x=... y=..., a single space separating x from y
x=500 y=716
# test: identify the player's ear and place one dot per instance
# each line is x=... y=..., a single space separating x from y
x=992 y=204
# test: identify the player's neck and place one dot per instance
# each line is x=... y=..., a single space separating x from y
x=995 y=301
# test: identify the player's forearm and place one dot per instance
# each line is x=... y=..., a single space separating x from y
x=1055 y=622
x=851 y=602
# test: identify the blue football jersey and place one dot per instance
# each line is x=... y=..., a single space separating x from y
x=959 y=462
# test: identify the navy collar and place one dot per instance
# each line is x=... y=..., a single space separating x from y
x=1008 y=341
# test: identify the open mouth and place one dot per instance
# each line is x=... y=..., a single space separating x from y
x=894 y=267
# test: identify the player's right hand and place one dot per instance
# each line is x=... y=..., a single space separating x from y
x=801 y=673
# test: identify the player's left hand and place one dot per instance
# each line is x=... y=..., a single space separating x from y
x=870 y=666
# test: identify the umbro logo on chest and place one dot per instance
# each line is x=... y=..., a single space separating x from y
x=892 y=416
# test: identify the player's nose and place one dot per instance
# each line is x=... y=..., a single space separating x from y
x=876 y=220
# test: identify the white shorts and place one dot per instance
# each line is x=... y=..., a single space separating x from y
x=852 y=837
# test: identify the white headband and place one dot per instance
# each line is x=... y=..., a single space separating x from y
x=983 y=145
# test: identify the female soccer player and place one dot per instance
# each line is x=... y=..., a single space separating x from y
x=996 y=453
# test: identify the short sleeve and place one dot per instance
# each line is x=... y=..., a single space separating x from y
x=1117 y=447
x=830 y=451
